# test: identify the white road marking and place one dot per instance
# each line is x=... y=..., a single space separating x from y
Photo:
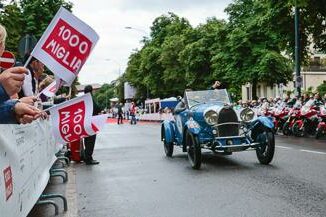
x=284 y=147
x=314 y=152
x=303 y=150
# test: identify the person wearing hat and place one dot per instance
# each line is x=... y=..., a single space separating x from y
x=90 y=141
x=31 y=82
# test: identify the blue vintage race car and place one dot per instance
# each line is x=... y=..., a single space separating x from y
x=206 y=120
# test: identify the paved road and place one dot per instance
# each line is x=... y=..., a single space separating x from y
x=135 y=179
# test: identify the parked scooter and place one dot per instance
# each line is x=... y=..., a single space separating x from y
x=321 y=128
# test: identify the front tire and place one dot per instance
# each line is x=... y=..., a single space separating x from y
x=193 y=150
x=168 y=147
x=265 y=152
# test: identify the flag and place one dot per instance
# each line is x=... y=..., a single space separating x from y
x=98 y=122
x=65 y=45
x=72 y=120
x=50 y=90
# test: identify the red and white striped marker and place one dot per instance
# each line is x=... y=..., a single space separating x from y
x=7 y=60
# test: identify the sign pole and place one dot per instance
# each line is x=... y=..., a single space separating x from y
x=297 y=49
x=27 y=61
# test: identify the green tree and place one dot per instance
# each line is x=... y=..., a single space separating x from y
x=38 y=14
x=197 y=55
x=322 y=89
x=251 y=51
x=156 y=69
x=255 y=44
x=28 y=17
x=104 y=94
x=12 y=19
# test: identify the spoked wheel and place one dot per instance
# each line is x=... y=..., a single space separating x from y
x=265 y=152
x=168 y=147
x=193 y=150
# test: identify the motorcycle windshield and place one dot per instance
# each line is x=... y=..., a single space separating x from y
x=309 y=103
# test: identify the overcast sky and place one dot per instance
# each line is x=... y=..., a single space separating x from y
x=110 y=17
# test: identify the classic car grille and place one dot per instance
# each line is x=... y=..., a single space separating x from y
x=227 y=115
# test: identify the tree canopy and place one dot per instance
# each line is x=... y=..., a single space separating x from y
x=28 y=17
x=255 y=44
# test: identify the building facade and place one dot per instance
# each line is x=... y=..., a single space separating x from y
x=309 y=79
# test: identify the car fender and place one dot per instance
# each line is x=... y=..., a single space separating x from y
x=167 y=130
x=192 y=126
x=265 y=121
x=261 y=124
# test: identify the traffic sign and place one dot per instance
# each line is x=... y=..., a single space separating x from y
x=7 y=60
x=26 y=45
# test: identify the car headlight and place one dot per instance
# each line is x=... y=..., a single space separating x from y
x=247 y=114
x=211 y=117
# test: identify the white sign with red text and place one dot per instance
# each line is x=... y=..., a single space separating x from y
x=72 y=120
x=65 y=45
x=27 y=153
x=50 y=90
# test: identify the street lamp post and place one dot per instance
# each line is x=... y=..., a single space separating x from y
x=297 y=50
x=137 y=29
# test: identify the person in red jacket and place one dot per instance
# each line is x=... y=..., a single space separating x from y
x=133 y=113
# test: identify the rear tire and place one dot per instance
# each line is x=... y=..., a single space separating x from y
x=193 y=150
x=297 y=131
x=319 y=133
x=265 y=152
x=286 y=130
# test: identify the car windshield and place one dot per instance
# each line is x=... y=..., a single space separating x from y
x=206 y=96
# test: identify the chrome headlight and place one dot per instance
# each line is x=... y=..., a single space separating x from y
x=211 y=117
x=247 y=114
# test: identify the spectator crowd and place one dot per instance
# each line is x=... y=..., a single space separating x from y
x=20 y=101
x=287 y=101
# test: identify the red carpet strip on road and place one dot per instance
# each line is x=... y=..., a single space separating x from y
x=115 y=121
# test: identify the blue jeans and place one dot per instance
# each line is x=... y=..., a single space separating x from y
x=133 y=119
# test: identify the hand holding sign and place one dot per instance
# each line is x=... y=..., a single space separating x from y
x=12 y=79
x=26 y=113
x=64 y=48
